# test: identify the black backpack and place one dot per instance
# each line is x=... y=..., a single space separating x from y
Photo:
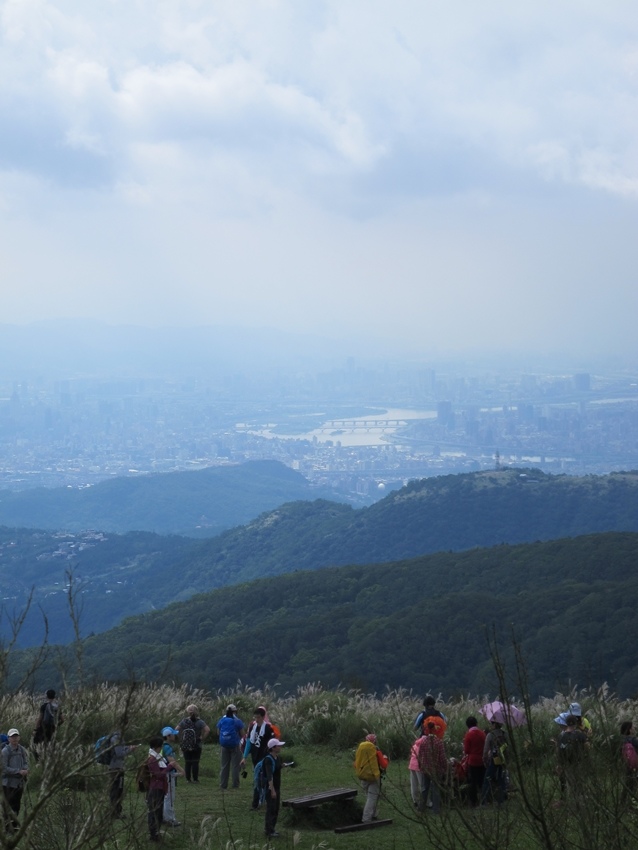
x=49 y=715
x=189 y=736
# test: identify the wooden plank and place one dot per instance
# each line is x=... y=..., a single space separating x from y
x=314 y=800
x=355 y=827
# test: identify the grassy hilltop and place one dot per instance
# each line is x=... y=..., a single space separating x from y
x=66 y=804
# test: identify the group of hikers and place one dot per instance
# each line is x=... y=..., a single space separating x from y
x=481 y=772
x=157 y=774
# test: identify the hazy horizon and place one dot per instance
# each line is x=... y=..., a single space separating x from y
x=91 y=347
x=445 y=181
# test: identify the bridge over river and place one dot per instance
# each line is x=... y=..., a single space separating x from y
x=365 y=424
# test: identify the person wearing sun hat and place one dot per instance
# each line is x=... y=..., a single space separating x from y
x=259 y=733
x=170 y=742
x=272 y=769
x=582 y=722
x=15 y=769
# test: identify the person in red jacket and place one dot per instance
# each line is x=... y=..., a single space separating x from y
x=473 y=744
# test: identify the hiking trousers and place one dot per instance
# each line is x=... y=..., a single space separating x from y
x=372 y=790
x=230 y=759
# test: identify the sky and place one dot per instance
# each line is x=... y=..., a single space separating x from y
x=451 y=176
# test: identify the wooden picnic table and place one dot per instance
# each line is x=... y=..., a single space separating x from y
x=312 y=801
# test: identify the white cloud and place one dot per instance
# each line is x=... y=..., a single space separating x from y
x=353 y=82
x=384 y=152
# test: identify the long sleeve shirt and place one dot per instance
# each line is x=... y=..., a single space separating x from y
x=431 y=755
x=473 y=744
x=159 y=771
x=13 y=761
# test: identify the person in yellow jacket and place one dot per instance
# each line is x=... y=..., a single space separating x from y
x=369 y=764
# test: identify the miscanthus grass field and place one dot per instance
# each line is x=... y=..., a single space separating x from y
x=65 y=805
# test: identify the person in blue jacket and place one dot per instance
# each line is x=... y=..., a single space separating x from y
x=230 y=729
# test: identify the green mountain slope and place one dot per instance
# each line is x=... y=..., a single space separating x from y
x=420 y=624
x=126 y=575
x=452 y=512
x=200 y=503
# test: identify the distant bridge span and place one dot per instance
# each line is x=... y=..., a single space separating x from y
x=333 y=424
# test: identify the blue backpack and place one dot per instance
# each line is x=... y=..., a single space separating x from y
x=104 y=750
x=228 y=736
x=260 y=780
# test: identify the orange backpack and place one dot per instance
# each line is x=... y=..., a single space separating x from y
x=439 y=723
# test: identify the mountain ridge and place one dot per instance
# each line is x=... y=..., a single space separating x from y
x=422 y=624
x=195 y=503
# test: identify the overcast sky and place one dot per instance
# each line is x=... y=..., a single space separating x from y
x=454 y=174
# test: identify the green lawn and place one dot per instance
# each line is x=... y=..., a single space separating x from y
x=212 y=818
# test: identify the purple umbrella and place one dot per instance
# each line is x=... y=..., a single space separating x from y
x=508 y=715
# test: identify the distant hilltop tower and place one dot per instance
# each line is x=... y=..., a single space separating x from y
x=497 y=460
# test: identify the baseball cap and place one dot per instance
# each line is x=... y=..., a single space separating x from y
x=231 y=707
x=12 y=732
x=575 y=709
x=275 y=742
x=168 y=730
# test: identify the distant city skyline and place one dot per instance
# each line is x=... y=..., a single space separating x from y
x=353 y=428
x=449 y=178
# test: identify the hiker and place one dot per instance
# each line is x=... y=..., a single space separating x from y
x=473 y=746
x=168 y=751
x=416 y=777
x=49 y=718
x=576 y=711
x=629 y=753
x=193 y=731
x=158 y=768
x=430 y=714
x=259 y=733
x=582 y=722
x=272 y=769
x=433 y=765
x=494 y=761
x=571 y=747
x=230 y=729
x=118 y=753
x=370 y=765
x=15 y=770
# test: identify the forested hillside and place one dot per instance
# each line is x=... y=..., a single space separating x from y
x=201 y=503
x=421 y=623
x=119 y=576
x=452 y=512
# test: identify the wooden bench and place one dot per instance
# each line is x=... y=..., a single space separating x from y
x=355 y=827
x=313 y=801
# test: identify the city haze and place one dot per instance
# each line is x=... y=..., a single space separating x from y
x=82 y=402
